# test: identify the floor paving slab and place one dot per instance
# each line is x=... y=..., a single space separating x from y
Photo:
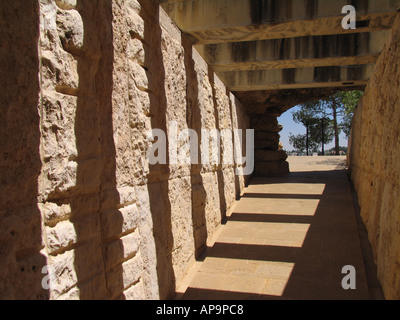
x=286 y=238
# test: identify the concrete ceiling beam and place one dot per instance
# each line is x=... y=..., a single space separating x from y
x=314 y=77
x=218 y=21
x=301 y=52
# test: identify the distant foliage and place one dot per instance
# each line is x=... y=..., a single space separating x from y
x=324 y=119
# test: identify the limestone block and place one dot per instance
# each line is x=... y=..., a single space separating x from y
x=265 y=123
x=119 y=250
x=127 y=196
x=122 y=276
x=124 y=159
x=71 y=30
x=139 y=127
x=132 y=270
x=28 y=277
x=138 y=76
x=139 y=105
x=72 y=294
x=84 y=204
x=135 y=292
x=205 y=99
x=135 y=51
x=8 y=263
x=131 y=244
x=271 y=168
x=222 y=105
x=53 y=212
x=229 y=187
x=182 y=227
x=66 y=4
x=241 y=181
x=212 y=202
x=60 y=72
x=22 y=229
x=67 y=233
x=88 y=258
x=227 y=147
x=143 y=202
x=61 y=176
x=62 y=274
x=134 y=5
x=174 y=69
x=265 y=136
x=93 y=288
x=147 y=247
x=134 y=22
x=388 y=240
x=61 y=236
x=58 y=126
x=89 y=174
x=60 y=31
x=82 y=265
x=269 y=155
x=130 y=215
x=116 y=222
x=175 y=78
x=266 y=144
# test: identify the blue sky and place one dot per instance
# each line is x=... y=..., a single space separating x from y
x=289 y=126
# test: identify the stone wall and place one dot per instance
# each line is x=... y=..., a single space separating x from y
x=375 y=165
x=21 y=242
x=84 y=83
x=269 y=160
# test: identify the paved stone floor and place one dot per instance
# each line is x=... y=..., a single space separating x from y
x=287 y=238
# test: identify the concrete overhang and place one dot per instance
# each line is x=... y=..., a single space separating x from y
x=299 y=52
x=271 y=45
x=296 y=78
x=216 y=21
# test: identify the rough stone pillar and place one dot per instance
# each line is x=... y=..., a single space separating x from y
x=269 y=160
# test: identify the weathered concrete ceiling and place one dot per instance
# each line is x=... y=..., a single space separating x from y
x=299 y=52
x=265 y=46
x=279 y=101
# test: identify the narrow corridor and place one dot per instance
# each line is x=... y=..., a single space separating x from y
x=287 y=238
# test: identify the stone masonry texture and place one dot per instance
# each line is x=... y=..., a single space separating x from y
x=82 y=209
x=374 y=163
x=83 y=214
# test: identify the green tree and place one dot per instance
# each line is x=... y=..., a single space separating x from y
x=299 y=142
x=322 y=133
x=350 y=100
x=339 y=109
x=318 y=130
x=305 y=116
